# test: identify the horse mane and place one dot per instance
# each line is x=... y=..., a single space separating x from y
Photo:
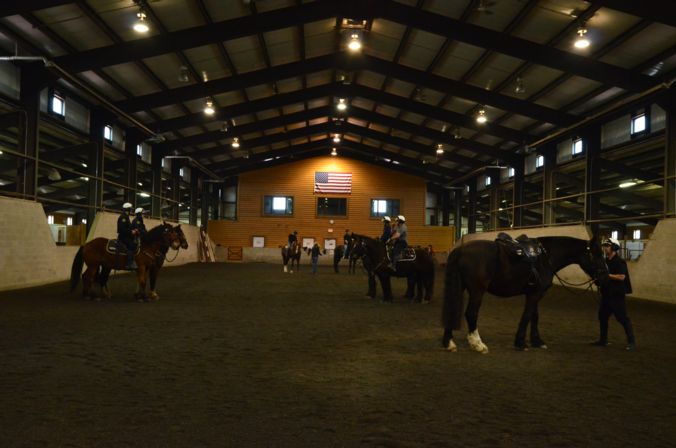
x=153 y=235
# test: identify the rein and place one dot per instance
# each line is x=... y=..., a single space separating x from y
x=173 y=259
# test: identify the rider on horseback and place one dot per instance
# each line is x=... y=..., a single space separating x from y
x=347 y=238
x=387 y=229
x=400 y=238
x=293 y=238
x=126 y=234
x=137 y=223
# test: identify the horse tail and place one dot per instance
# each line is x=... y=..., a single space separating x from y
x=453 y=293
x=76 y=269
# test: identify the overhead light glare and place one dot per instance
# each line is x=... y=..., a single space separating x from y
x=481 y=116
x=144 y=194
x=209 y=107
x=627 y=184
x=336 y=138
x=582 y=41
x=334 y=153
x=342 y=104
x=440 y=149
x=141 y=25
x=355 y=42
x=235 y=142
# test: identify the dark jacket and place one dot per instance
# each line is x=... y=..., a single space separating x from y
x=138 y=224
x=614 y=288
x=124 y=227
x=315 y=252
x=292 y=238
x=387 y=232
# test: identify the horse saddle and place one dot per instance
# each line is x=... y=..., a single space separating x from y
x=408 y=254
x=521 y=248
x=115 y=248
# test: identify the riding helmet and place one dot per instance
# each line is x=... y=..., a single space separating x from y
x=127 y=206
x=139 y=210
x=612 y=242
x=401 y=218
x=387 y=218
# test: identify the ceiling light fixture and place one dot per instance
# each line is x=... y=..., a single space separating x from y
x=336 y=138
x=183 y=74
x=209 y=107
x=225 y=127
x=143 y=194
x=481 y=116
x=627 y=184
x=440 y=149
x=235 y=142
x=582 y=41
x=334 y=153
x=520 y=89
x=355 y=42
x=141 y=26
x=342 y=104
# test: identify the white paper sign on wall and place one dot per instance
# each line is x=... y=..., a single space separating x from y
x=308 y=242
x=329 y=243
x=259 y=241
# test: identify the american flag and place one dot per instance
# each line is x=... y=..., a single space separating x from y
x=336 y=183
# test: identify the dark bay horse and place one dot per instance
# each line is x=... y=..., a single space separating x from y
x=485 y=266
x=150 y=257
x=374 y=257
x=291 y=254
x=339 y=254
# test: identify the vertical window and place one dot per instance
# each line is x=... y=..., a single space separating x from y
x=162 y=163
x=84 y=220
x=50 y=219
x=180 y=172
x=58 y=104
x=139 y=150
x=69 y=221
x=614 y=234
x=384 y=207
x=278 y=205
x=577 y=146
x=487 y=181
x=510 y=172
x=108 y=133
x=539 y=161
x=638 y=124
x=637 y=234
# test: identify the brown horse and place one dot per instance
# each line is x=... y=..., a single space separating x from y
x=149 y=258
x=291 y=254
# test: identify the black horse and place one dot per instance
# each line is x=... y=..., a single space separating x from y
x=488 y=266
x=374 y=258
x=339 y=253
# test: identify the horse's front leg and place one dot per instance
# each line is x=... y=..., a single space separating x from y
x=372 y=285
x=153 y=273
x=472 y=317
x=387 y=287
x=141 y=283
x=529 y=310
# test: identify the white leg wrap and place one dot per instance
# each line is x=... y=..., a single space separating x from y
x=476 y=343
x=286 y=269
x=451 y=346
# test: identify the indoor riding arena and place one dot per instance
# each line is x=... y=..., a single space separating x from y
x=354 y=223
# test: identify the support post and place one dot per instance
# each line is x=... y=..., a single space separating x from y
x=445 y=207
x=458 y=213
x=32 y=83
x=670 y=161
x=95 y=164
x=592 y=141
x=517 y=193
x=175 y=187
x=132 y=139
x=156 y=168
x=494 y=203
x=549 y=185
x=194 y=196
x=471 y=207
x=204 y=212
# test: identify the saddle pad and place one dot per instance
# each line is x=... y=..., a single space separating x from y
x=407 y=254
x=112 y=248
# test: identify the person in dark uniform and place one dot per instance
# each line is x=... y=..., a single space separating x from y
x=400 y=239
x=387 y=229
x=126 y=235
x=347 y=238
x=293 y=238
x=315 y=253
x=137 y=223
x=613 y=292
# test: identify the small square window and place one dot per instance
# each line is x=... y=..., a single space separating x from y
x=331 y=206
x=108 y=133
x=139 y=150
x=487 y=182
x=614 y=234
x=277 y=205
x=510 y=172
x=384 y=207
x=578 y=146
x=637 y=234
x=58 y=105
x=50 y=219
x=539 y=161
x=638 y=124
x=69 y=221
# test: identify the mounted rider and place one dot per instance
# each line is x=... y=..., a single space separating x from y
x=137 y=223
x=400 y=239
x=387 y=229
x=347 y=238
x=293 y=238
x=126 y=234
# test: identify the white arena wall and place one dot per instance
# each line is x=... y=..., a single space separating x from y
x=30 y=257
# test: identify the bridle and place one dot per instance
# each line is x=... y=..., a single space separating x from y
x=589 y=283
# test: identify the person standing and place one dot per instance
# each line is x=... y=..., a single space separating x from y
x=613 y=295
x=126 y=235
x=347 y=243
x=315 y=252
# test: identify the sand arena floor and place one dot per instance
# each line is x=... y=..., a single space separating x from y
x=244 y=355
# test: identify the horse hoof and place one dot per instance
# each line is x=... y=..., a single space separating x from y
x=452 y=347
